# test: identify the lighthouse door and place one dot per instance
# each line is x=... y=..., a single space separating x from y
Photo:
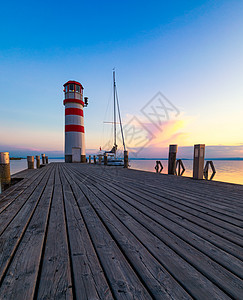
x=76 y=155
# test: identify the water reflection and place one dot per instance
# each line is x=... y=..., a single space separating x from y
x=226 y=170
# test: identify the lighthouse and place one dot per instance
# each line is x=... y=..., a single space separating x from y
x=74 y=122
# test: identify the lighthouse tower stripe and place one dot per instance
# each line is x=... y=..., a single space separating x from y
x=74 y=111
x=74 y=128
x=73 y=101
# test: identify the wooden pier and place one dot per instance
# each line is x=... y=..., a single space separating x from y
x=82 y=231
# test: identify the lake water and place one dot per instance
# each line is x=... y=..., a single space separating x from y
x=227 y=170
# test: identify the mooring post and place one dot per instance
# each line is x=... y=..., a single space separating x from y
x=94 y=159
x=37 y=161
x=31 y=162
x=105 y=159
x=100 y=159
x=5 y=178
x=125 y=159
x=89 y=159
x=43 y=157
x=198 y=161
x=172 y=159
x=46 y=159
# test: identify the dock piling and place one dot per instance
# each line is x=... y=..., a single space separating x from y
x=30 y=162
x=100 y=159
x=172 y=159
x=43 y=157
x=198 y=161
x=125 y=159
x=89 y=159
x=37 y=161
x=95 y=159
x=46 y=159
x=105 y=159
x=5 y=178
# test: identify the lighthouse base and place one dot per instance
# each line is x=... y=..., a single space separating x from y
x=68 y=158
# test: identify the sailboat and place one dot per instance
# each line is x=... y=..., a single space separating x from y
x=112 y=159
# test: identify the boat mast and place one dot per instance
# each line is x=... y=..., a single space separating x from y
x=119 y=114
x=114 y=91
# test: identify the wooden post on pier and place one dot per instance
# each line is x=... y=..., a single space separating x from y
x=172 y=159
x=30 y=162
x=43 y=157
x=125 y=159
x=37 y=161
x=5 y=178
x=198 y=161
x=94 y=159
x=105 y=159
x=100 y=159
x=89 y=159
x=47 y=160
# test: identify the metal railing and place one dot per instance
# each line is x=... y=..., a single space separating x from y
x=208 y=164
x=180 y=166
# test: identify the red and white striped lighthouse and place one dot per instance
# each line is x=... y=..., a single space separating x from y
x=74 y=122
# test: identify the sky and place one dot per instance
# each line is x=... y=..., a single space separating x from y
x=179 y=70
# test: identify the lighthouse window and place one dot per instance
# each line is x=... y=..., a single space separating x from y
x=78 y=88
x=71 y=87
x=66 y=88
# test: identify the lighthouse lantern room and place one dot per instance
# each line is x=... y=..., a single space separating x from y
x=74 y=122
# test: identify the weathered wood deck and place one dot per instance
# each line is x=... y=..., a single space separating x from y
x=93 y=232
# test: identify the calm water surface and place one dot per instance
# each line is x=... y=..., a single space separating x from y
x=227 y=170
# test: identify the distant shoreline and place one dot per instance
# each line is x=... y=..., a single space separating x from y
x=154 y=158
x=16 y=158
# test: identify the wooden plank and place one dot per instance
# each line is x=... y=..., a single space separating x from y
x=13 y=233
x=8 y=213
x=21 y=276
x=156 y=278
x=121 y=277
x=55 y=276
x=89 y=279
x=210 y=223
x=231 y=242
x=193 y=282
x=212 y=269
x=184 y=205
x=8 y=196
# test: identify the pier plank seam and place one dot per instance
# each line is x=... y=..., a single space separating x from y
x=107 y=189
x=16 y=190
x=189 y=237
x=190 y=282
x=193 y=186
x=55 y=265
x=231 y=236
x=184 y=205
x=162 y=206
x=123 y=280
x=158 y=188
x=13 y=234
x=149 y=233
x=150 y=216
x=120 y=234
x=88 y=276
x=12 y=209
x=21 y=279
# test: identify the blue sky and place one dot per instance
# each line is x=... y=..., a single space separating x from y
x=191 y=51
